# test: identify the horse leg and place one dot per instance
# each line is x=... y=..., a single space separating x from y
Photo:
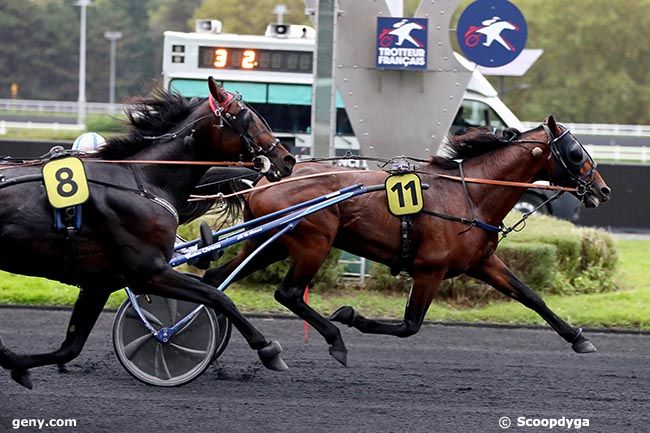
x=172 y=284
x=495 y=273
x=419 y=300
x=84 y=315
x=290 y=293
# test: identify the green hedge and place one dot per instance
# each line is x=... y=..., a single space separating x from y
x=549 y=255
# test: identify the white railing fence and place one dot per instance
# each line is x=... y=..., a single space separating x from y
x=5 y=125
x=33 y=105
x=619 y=153
x=601 y=129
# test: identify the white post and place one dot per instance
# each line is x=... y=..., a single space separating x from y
x=81 y=103
x=113 y=37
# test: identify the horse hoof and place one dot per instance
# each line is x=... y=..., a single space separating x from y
x=341 y=355
x=343 y=315
x=270 y=357
x=22 y=377
x=583 y=346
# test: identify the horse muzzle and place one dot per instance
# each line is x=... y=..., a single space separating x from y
x=276 y=168
x=281 y=166
x=596 y=195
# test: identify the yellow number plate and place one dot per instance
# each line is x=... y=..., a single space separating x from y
x=404 y=192
x=65 y=182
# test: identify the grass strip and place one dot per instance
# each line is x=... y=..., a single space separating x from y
x=627 y=308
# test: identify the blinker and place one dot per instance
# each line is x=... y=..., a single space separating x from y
x=575 y=155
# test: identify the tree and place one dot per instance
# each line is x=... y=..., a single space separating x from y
x=594 y=66
x=36 y=54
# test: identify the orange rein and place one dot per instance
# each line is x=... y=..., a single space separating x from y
x=444 y=176
x=281 y=182
x=507 y=183
x=163 y=162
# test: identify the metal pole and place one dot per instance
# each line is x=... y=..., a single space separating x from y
x=113 y=37
x=111 y=80
x=323 y=118
x=81 y=103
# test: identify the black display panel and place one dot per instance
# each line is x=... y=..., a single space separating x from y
x=255 y=60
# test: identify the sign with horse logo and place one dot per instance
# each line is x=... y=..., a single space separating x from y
x=65 y=182
x=402 y=43
x=492 y=33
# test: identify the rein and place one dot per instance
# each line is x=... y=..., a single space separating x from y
x=164 y=162
x=507 y=183
x=281 y=182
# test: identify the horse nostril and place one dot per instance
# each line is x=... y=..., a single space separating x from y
x=605 y=191
x=290 y=160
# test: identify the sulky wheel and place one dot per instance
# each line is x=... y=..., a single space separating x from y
x=184 y=357
x=225 y=326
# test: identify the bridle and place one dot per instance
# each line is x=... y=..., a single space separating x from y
x=571 y=155
x=239 y=122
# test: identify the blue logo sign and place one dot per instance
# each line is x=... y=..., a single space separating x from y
x=492 y=33
x=402 y=43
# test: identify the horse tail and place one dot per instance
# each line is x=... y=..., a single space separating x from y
x=224 y=180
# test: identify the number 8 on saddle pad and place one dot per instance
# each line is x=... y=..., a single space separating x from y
x=404 y=193
x=65 y=182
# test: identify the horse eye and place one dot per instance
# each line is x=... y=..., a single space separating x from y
x=575 y=154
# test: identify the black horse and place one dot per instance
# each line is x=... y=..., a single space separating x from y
x=129 y=222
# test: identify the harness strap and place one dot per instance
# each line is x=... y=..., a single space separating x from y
x=224 y=104
x=143 y=193
x=468 y=222
x=468 y=200
x=404 y=261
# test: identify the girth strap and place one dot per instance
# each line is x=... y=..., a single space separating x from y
x=405 y=260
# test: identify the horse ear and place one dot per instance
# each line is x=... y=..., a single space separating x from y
x=216 y=90
x=552 y=125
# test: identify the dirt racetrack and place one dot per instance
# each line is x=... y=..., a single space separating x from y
x=445 y=379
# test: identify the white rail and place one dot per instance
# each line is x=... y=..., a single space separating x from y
x=41 y=106
x=601 y=129
x=619 y=153
x=4 y=125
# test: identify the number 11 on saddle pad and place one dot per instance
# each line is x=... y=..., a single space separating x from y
x=65 y=182
x=404 y=193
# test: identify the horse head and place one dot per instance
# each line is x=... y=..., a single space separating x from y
x=240 y=130
x=569 y=164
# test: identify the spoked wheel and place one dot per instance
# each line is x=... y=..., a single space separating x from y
x=177 y=362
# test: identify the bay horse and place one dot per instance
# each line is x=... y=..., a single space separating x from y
x=128 y=224
x=443 y=245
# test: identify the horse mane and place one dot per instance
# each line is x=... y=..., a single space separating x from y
x=149 y=116
x=473 y=143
